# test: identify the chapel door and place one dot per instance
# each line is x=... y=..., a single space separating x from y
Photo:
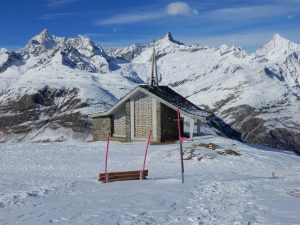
x=142 y=115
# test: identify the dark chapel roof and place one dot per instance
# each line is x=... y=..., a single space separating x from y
x=165 y=95
x=172 y=97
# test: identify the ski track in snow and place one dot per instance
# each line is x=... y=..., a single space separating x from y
x=56 y=183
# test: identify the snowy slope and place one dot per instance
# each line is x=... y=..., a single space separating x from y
x=57 y=183
x=52 y=78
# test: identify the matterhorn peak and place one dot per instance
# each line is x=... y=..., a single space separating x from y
x=169 y=38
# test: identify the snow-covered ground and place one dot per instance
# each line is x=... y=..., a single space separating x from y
x=45 y=183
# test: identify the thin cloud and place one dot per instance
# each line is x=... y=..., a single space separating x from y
x=116 y=29
x=251 y=12
x=130 y=18
x=53 y=16
x=58 y=3
x=172 y=9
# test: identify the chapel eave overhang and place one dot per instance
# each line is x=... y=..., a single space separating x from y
x=165 y=95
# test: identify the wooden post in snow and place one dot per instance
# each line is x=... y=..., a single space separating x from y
x=180 y=145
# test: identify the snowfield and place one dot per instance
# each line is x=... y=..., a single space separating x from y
x=56 y=183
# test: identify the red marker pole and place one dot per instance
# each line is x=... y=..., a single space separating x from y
x=180 y=145
x=147 y=146
x=106 y=158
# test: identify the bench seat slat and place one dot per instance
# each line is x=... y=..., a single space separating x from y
x=125 y=175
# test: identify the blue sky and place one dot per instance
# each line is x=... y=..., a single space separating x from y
x=117 y=23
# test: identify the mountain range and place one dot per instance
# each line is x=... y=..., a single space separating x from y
x=48 y=88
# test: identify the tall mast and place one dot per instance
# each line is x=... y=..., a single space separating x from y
x=154 y=78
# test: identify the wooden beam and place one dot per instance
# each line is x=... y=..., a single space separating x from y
x=125 y=175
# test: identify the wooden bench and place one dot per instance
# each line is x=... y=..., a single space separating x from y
x=126 y=175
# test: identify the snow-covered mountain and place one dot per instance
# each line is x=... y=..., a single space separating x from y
x=257 y=94
x=52 y=82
